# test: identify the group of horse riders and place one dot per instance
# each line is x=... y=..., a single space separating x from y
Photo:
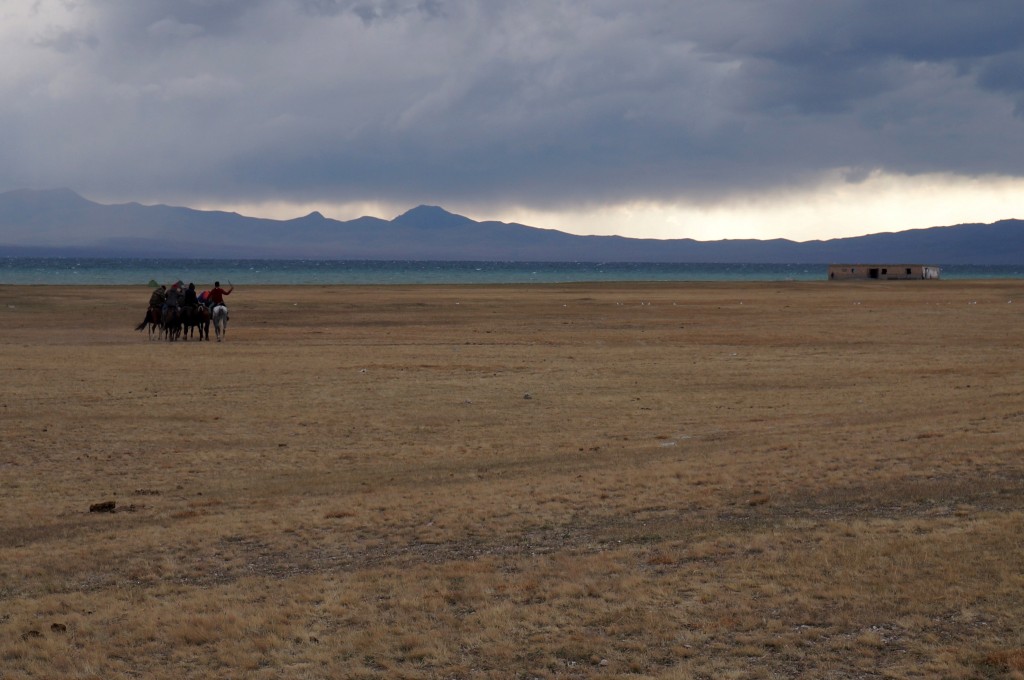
x=170 y=307
x=178 y=296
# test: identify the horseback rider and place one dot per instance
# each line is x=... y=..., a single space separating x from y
x=158 y=297
x=173 y=298
x=216 y=296
x=190 y=296
x=155 y=310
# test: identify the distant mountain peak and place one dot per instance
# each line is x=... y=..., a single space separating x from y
x=424 y=209
x=430 y=216
x=62 y=192
x=314 y=217
x=62 y=195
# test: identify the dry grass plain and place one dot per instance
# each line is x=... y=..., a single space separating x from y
x=597 y=480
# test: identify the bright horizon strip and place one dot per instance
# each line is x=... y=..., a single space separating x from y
x=880 y=203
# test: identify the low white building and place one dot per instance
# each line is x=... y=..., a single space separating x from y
x=885 y=272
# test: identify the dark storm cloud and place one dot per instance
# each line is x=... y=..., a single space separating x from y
x=527 y=101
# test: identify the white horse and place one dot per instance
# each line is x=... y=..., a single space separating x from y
x=220 y=321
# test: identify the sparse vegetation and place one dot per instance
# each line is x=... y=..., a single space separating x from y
x=705 y=481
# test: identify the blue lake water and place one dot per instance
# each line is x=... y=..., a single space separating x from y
x=130 y=271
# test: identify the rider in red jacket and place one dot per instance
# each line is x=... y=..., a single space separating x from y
x=216 y=296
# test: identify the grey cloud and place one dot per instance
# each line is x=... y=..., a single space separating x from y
x=528 y=101
x=221 y=17
x=66 y=42
x=171 y=28
x=381 y=10
x=1005 y=73
x=799 y=30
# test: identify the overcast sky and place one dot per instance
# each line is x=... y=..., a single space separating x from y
x=704 y=119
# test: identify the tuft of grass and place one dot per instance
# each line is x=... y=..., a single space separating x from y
x=1005 y=660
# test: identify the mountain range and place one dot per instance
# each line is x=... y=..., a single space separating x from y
x=61 y=223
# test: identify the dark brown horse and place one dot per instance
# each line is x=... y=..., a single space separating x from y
x=152 y=320
x=171 y=323
x=193 y=318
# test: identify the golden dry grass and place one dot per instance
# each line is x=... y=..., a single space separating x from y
x=595 y=480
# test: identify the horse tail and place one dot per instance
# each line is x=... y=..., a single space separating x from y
x=151 y=317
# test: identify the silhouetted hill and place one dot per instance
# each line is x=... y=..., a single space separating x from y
x=432 y=217
x=59 y=222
